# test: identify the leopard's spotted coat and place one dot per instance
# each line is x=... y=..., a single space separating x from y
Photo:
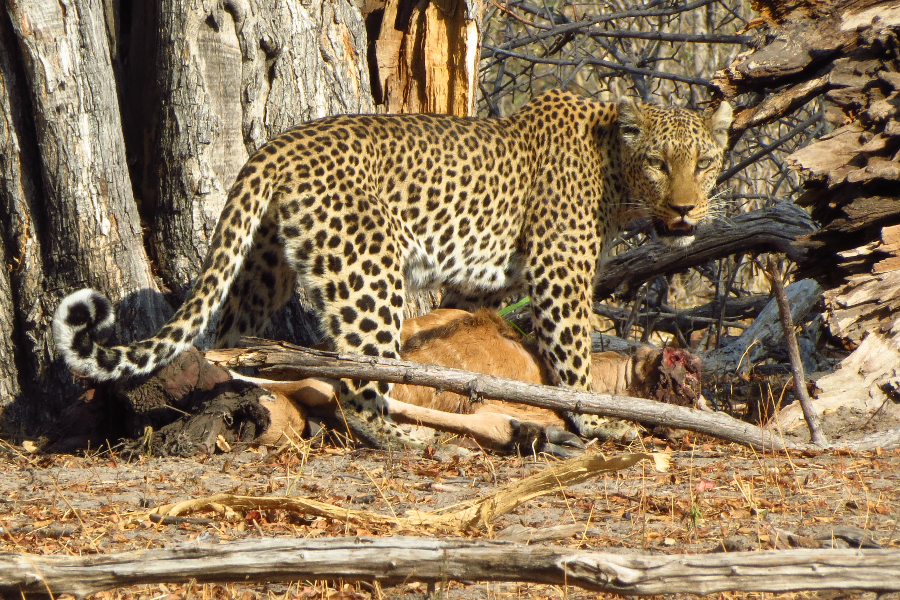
x=362 y=209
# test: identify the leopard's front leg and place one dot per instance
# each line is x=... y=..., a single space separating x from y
x=560 y=287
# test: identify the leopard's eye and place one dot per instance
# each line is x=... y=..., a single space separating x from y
x=657 y=163
x=704 y=163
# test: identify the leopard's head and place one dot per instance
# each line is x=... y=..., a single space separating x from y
x=671 y=158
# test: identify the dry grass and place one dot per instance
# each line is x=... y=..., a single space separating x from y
x=714 y=494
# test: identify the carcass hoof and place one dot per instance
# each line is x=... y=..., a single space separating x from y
x=529 y=437
x=562 y=443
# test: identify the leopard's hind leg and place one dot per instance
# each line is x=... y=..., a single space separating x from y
x=263 y=285
x=350 y=265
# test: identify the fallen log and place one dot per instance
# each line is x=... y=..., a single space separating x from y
x=400 y=559
x=765 y=333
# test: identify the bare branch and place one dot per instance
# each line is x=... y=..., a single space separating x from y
x=314 y=363
x=769 y=148
x=670 y=37
x=816 y=435
x=575 y=26
x=772 y=228
x=601 y=63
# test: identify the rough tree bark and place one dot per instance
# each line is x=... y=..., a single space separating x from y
x=71 y=216
x=425 y=57
x=132 y=121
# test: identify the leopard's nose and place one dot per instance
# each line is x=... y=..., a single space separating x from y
x=682 y=209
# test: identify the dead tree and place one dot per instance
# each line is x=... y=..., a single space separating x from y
x=847 y=52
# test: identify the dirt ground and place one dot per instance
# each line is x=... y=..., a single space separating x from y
x=716 y=497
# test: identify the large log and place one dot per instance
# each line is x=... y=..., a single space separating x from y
x=400 y=559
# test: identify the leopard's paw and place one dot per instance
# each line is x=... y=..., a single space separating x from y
x=604 y=428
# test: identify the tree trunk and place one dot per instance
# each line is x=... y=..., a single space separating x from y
x=72 y=220
x=238 y=74
x=124 y=123
x=426 y=56
x=125 y=117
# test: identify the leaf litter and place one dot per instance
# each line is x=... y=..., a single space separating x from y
x=714 y=497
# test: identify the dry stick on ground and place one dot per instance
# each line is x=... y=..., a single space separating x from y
x=787 y=324
x=478 y=512
x=314 y=363
x=399 y=559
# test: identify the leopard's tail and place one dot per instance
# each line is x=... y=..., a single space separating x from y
x=83 y=318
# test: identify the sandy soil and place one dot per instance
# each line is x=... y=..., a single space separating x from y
x=716 y=497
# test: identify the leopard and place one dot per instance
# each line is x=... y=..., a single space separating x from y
x=361 y=210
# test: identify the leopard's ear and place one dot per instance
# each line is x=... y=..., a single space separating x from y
x=631 y=120
x=720 y=123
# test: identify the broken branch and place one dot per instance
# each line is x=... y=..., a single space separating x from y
x=816 y=435
x=770 y=229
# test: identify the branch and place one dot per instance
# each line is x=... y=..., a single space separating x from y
x=314 y=363
x=770 y=229
x=765 y=332
x=672 y=320
x=575 y=26
x=305 y=362
x=769 y=148
x=399 y=559
x=600 y=63
x=670 y=37
x=816 y=435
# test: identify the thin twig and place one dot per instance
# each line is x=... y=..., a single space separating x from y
x=768 y=149
x=600 y=63
x=575 y=26
x=784 y=308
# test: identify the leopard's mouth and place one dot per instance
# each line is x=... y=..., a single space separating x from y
x=675 y=232
x=678 y=227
